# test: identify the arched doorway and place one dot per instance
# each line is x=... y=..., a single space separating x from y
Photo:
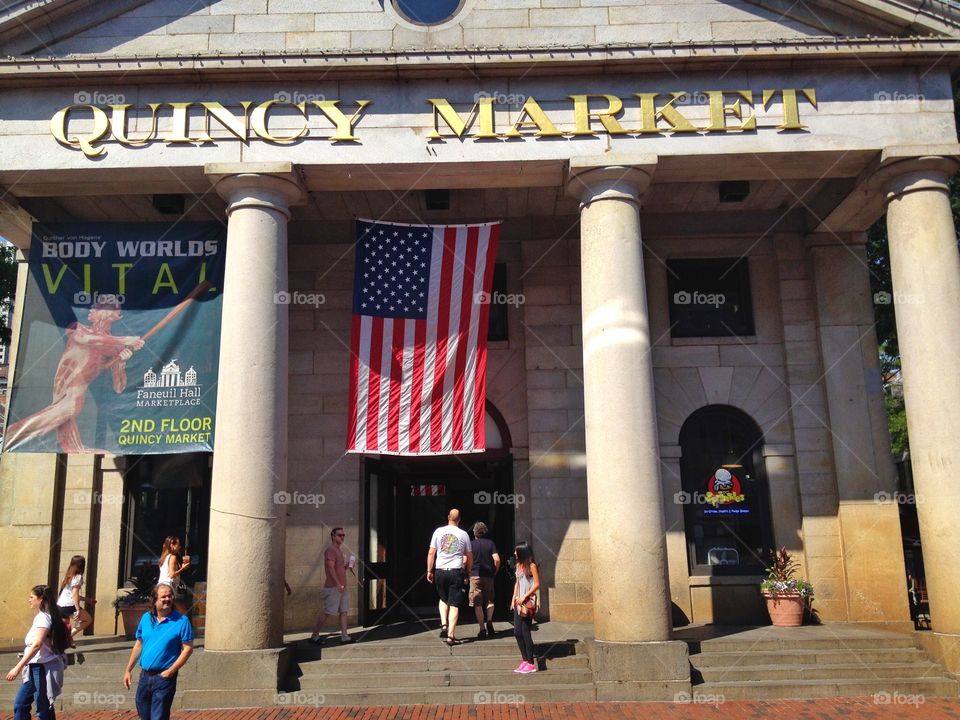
x=725 y=494
x=406 y=498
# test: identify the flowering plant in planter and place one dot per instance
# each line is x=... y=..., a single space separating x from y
x=786 y=595
x=781 y=576
x=143 y=582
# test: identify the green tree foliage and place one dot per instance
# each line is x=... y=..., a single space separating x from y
x=878 y=256
x=8 y=286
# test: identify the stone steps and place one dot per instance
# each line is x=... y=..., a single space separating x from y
x=782 y=689
x=878 y=671
x=431 y=664
x=779 y=644
x=423 y=669
x=419 y=678
x=801 y=665
x=533 y=691
x=808 y=657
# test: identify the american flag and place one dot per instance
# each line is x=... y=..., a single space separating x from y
x=418 y=352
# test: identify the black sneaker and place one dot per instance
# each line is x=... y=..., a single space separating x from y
x=482 y=635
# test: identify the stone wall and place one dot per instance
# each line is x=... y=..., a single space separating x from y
x=554 y=363
x=228 y=26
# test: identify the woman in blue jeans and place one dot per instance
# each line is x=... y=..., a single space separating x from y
x=41 y=666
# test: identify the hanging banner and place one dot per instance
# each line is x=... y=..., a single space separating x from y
x=120 y=340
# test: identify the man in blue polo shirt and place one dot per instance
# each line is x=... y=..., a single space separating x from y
x=165 y=638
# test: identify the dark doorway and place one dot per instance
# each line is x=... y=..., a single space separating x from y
x=166 y=495
x=725 y=495
x=405 y=501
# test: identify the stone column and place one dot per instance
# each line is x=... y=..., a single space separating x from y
x=247 y=526
x=631 y=597
x=925 y=269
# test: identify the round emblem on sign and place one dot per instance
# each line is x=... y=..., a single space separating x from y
x=428 y=12
x=723 y=488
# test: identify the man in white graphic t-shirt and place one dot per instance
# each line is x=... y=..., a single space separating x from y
x=448 y=565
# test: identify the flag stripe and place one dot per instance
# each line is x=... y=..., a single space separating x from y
x=416 y=390
x=373 y=382
x=383 y=399
x=396 y=375
x=480 y=380
x=449 y=239
x=454 y=340
x=354 y=371
x=467 y=322
x=406 y=386
x=470 y=370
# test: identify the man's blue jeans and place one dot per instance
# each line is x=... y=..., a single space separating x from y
x=155 y=696
x=35 y=686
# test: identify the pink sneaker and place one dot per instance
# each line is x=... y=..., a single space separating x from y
x=521 y=667
x=528 y=668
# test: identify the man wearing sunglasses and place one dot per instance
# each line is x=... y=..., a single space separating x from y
x=335 y=598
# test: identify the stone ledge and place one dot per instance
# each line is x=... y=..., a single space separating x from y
x=640 y=671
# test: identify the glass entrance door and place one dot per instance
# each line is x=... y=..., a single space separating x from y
x=377 y=543
x=405 y=501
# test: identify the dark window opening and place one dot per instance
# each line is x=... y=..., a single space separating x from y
x=725 y=495
x=166 y=495
x=497 y=328
x=710 y=298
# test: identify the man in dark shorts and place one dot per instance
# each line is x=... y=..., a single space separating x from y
x=448 y=566
x=486 y=565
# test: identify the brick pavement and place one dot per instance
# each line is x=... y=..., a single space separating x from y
x=848 y=708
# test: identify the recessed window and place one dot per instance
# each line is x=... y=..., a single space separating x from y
x=427 y=12
x=497 y=329
x=710 y=298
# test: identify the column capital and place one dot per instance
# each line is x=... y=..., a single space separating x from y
x=270 y=186
x=610 y=177
x=905 y=169
x=16 y=224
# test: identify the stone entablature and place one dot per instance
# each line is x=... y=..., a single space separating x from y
x=351 y=122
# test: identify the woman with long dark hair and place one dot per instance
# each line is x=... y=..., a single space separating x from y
x=525 y=604
x=41 y=666
x=69 y=601
x=170 y=565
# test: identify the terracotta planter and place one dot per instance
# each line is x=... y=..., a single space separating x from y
x=131 y=617
x=786 y=610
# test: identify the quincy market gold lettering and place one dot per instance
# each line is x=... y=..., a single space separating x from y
x=604 y=114
x=593 y=114
x=253 y=120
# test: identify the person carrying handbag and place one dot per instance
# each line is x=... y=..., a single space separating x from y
x=525 y=605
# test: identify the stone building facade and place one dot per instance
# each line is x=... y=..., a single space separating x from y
x=617 y=140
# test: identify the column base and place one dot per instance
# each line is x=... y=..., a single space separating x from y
x=944 y=648
x=657 y=671
x=232 y=678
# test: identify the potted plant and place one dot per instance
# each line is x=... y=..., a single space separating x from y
x=787 y=596
x=136 y=601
